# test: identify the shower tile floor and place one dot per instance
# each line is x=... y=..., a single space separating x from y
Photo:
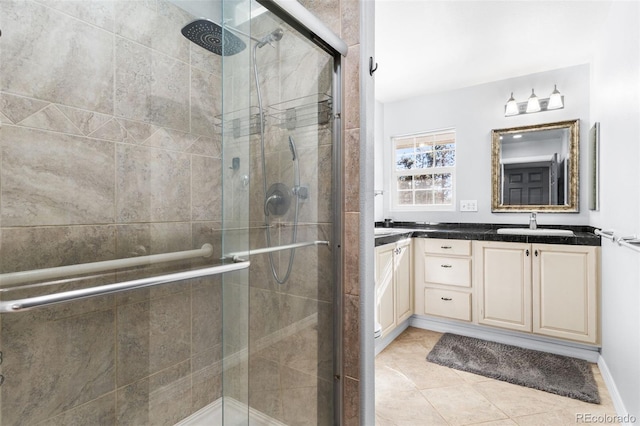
x=411 y=391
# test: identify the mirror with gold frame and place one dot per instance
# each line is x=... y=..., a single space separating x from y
x=535 y=168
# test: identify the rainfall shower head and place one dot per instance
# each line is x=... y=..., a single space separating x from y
x=273 y=36
x=209 y=35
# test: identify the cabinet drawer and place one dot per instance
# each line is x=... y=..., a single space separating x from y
x=447 y=270
x=446 y=303
x=455 y=247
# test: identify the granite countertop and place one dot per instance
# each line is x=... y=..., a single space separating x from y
x=484 y=232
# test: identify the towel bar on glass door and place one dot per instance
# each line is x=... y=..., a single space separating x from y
x=21 y=305
x=238 y=256
x=21 y=277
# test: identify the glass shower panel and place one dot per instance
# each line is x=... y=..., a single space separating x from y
x=292 y=292
x=119 y=197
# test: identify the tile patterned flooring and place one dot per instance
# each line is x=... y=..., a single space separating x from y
x=411 y=391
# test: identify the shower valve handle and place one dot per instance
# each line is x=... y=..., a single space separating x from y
x=275 y=198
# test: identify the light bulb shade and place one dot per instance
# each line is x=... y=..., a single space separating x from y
x=512 y=107
x=533 y=105
x=555 y=100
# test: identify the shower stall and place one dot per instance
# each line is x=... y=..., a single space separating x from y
x=169 y=215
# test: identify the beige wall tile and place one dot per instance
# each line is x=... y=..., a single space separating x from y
x=87 y=121
x=206 y=191
x=351 y=238
x=265 y=388
x=151 y=87
x=206 y=102
x=97 y=12
x=153 y=335
x=157 y=28
x=17 y=108
x=162 y=399
x=206 y=376
x=34 y=248
x=101 y=411
x=112 y=130
x=80 y=56
x=206 y=315
x=53 y=366
x=152 y=185
x=43 y=173
x=350 y=10
x=351 y=176
x=351 y=336
x=351 y=402
x=352 y=88
x=211 y=147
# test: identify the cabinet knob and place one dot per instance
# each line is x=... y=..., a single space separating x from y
x=527 y=252
x=446 y=299
x=536 y=253
x=445 y=247
x=445 y=266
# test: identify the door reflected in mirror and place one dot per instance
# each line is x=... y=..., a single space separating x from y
x=534 y=168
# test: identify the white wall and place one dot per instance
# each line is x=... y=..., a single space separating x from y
x=474 y=112
x=378 y=183
x=615 y=85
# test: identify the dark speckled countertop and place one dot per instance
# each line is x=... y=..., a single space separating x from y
x=584 y=235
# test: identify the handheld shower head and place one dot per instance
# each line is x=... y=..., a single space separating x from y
x=272 y=37
x=292 y=147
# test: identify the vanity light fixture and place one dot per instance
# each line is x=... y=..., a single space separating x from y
x=555 y=100
x=534 y=104
x=512 y=107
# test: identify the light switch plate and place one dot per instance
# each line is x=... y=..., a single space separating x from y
x=468 y=205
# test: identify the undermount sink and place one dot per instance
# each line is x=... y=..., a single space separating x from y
x=539 y=231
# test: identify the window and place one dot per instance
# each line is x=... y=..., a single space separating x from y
x=424 y=171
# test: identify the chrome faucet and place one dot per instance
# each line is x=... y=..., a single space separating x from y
x=533 y=224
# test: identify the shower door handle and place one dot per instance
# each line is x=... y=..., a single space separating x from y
x=21 y=305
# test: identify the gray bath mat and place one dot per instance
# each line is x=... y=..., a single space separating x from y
x=557 y=374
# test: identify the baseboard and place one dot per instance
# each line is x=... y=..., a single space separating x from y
x=539 y=343
x=383 y=342
x=621 y=410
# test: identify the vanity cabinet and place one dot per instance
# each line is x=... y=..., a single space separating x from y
x=443 y=278
x=545 y=289
x=394 y=287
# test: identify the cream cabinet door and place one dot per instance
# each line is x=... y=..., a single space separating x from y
x=565 y=292
x=503 y=277
x=404 y=285
x=385 y=293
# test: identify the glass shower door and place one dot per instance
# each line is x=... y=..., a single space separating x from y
x=119 y=197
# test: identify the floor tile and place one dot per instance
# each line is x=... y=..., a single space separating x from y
x=413 y=391
x=407 y=408
x=463 y=405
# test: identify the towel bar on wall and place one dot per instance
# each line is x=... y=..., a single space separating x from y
x=631 y=242
x=21 y=277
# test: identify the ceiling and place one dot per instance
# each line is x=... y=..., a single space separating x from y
x=430 y=46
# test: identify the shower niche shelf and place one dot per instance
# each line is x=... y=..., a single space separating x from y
x=305 y=111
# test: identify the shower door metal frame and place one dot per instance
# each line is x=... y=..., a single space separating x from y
x=311 y=28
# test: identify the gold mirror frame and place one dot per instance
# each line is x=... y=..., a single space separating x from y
x=572 y=196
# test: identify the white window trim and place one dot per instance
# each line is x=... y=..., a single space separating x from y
x=394 y=207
